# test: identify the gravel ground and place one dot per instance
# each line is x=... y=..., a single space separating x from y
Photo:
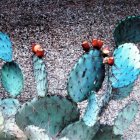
x=60 y=26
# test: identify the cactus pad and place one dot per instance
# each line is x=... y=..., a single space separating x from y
x=128 y=30
x=40 y=74
x=93 y=108
x=88 y=74
x=125 y=118
x=127 y=65
x=5 y=47
x=1 y=121
x=95 y=104
x=79 y=131
x=51 y=113
x=11 y=131
x=64 y=138
x=9 y=107
x=4 y=136
x=12 y=78
x=121 y=93
x=35 y=133
x=106 y=133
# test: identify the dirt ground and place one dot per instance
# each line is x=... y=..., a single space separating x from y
x=60 y=26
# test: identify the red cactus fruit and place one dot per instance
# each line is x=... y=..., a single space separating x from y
x=108 y=60
x=37 y=49
x=97 y=44
x=86 y=46
x=40 y=53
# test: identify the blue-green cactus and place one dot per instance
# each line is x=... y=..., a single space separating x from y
x=5 y=136
x=35 y=133
x=79 y=131
x=128 y=30
x=53 y=117
x=121 y=93
x=9 y=107
x=11 y=132
x=1 y=121
x=52 y=113
x=5 y=47
x=12 y=78
x=127 y=65
x=40 y=74
x=125 y=118
x=92 y=110
x=88 y=74
x=64 y=138
x=95 y=104
x=106 y=133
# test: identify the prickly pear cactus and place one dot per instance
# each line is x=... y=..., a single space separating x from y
x=106 y=133
x=40 y=74
x=79 y=131
x=128 y=30
x=92 y=111
x=88 y=74
x=9 y=107
x=51 y=113
x=125 y=118
x=5 y=47
x=96 y=103
x=64 y=138
x=35 y=133
x=12 y=78
x=1 y=121
x=127 y=65
x=121 y=93
x=12 y=132
x=5 y=136
x=56 y=117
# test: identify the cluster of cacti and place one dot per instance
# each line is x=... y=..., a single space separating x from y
x=56 y=117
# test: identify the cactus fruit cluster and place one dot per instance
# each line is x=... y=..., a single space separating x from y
x=49 y=117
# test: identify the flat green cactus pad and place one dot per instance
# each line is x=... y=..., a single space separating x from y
x=79 y=131
x=121 y=93
x=51 y=113
x=40 y=74
x=1 y=121
x=4 y=136
x=5 y=47
x=106 y=133
x=92 y=111
x=88 y=74
x=128 y=30
x=9 y=107
x=11 y=131
x=126 y=67
x=125 y=118
x=35 y=133
x=64 y=138
x=95 y=104
x=12 y=78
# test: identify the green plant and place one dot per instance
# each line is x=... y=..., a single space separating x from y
x=56 y=117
